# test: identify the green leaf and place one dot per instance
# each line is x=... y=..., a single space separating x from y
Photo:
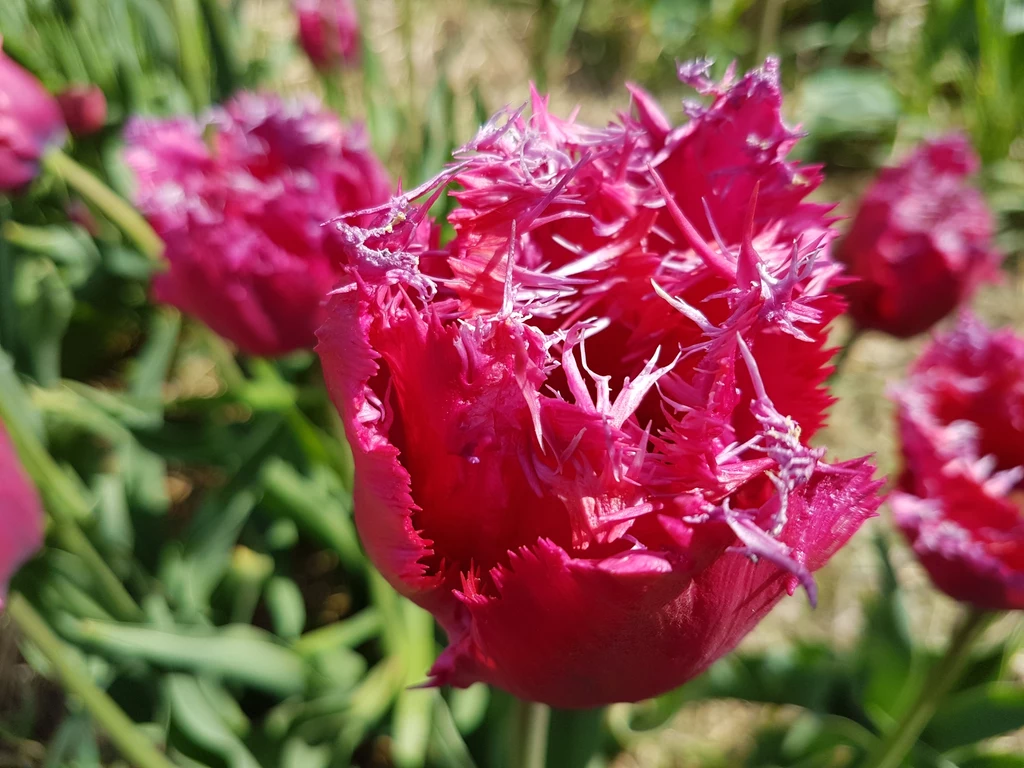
x=321 y=513
x=286 y=606
x=847 y=113
x=198 y=720
x=238 y=654
x=977 y=714
x=469 y=706
x=45 y=304
x=575 y=737
x=149 y=370
x=992 y=760
x=886 y=657
x=413 y=711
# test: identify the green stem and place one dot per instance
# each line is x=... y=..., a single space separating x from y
x=901 y=738
x=112 y=205
x=771 y=22
x=533 y=720
x=844 y=353
x=129 y=740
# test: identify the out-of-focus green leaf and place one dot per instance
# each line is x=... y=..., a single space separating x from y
x=977 y=714
x=438 y=137
x=469 y=706
x=992 y=760
x=200 y=722
x=382 y=117
x=848 y=114
x=448 y=747
x=575 y=737
x=298 y=754
x=323 y=515
x=410 y=729
x=74 y=744
x=349 y=633
x=69 y=247
x=809 y=676
x=890 y=674
x=286 y=606
x=192 y=573
x=149 y=369
x=45 y=304
x=810 y=741
x=238 y=654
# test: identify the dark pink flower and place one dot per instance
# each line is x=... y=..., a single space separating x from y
x=580 y=428
x=21 y=515
x=30 y=124
x=239 y=198
x=328 y=32
x=961 y=419
x=921 y=242
x=84 y=108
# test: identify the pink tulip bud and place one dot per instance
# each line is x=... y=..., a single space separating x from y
x=961 y=419
x=21 y=515
x=921 y=242
x=328 y=32
x=239 y=198
x=30 y=124
x=84 y=108
x=580 y=429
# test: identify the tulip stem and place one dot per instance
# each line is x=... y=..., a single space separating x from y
x=843 y=355
x=903 y=735
x=112 y=205
x=125 y=735
x=533 y=721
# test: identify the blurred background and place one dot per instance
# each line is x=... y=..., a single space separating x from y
x=223 y=506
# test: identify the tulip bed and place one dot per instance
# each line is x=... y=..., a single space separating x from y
x=365 y=403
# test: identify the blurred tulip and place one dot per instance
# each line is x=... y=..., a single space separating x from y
x=580 y=430
x=921 y=241
x=328 y=32
x=21 y=515
x=239 y=199
x=30 y=124
x=84 y=108
x=961 y=419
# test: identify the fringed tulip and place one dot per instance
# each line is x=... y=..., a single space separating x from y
x=239 y=198
x=30 y=124
x=921 y=241
x=20 y=515
x=84 y=108
x=328 y=32
x=580 y=429
x=961 y=505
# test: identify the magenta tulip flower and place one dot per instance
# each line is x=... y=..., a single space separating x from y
x=921 y=242
x=329 y=32
x=239 y=198
x=961 y=505
x=580 y=428
x=21 y=515
x=30 y=124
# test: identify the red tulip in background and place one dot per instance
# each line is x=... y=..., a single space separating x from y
x=239 y=199
x=30 y=124
x=920 y=243
x=961 y=418
x=580 y=429
x=21 y=515
x=328 y=32
x=84 y=108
